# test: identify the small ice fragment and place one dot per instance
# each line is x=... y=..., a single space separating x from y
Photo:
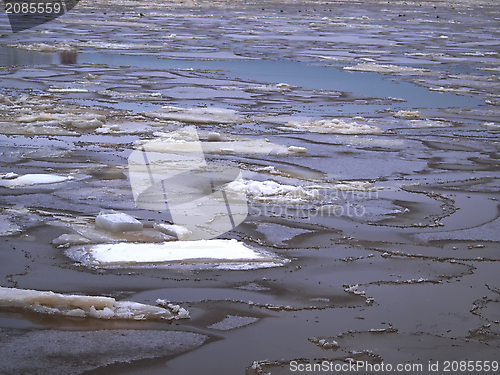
x=335 y=126
x=9 y=176
x=117 y=222
x=174 y=230
x=70 y=239
x=297 y=149
x=87 y=124
x=408 y=115
x=213 y=137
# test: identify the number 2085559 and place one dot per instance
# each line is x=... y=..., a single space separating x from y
x=33 y=8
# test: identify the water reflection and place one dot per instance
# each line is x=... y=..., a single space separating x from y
x=15 y=57
x=68 y=57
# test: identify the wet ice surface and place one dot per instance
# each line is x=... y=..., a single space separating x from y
x=368 y=143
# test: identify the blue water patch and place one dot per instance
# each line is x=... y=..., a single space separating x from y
x=301 y=74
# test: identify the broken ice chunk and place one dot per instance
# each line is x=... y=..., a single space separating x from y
x=297 y=149
x=178 y=231
x=87 y=124
x=66 y=240
x=213 y=137
x=117 y=222
x=80 y=306
x=407 y=115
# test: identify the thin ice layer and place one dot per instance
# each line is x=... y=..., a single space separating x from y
x=380 y=68
x=79 y=306
x=197 y=115
x=335 y=126
x=273 y=192
x=125 y=254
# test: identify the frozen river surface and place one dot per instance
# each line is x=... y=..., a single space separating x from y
x=367 y=137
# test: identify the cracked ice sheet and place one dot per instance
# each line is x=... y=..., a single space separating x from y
x=65 y=352
x=218 y=254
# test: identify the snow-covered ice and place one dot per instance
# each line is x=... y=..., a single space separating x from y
x=334 y=126
x=228 y=254
x=48 y=302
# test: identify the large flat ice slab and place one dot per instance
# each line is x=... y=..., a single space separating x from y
x=117 y=222
x=47 y=302
x=220 y=254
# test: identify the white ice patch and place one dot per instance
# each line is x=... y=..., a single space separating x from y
x=226 y=254
x=179 y=141
x=273 y=192
x=430 y=124
x=407 y=115
x=280 y=87
x=197 y=115
x=33 y=179
x=335 y=126
x=44 y=47
x=379 y=68
x=79 y=306
x=80 y=121
x=66 y=89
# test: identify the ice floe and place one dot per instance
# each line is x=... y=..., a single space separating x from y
x=185 y=140
x=273 y=192
x=379 y=68
x=33 y=179
x=80 y=121
x=407 y=115
x=334 y=126
x=209 y=115
x=117 y=222
x=48 y=302
x=232 y=322
x=217 y=253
